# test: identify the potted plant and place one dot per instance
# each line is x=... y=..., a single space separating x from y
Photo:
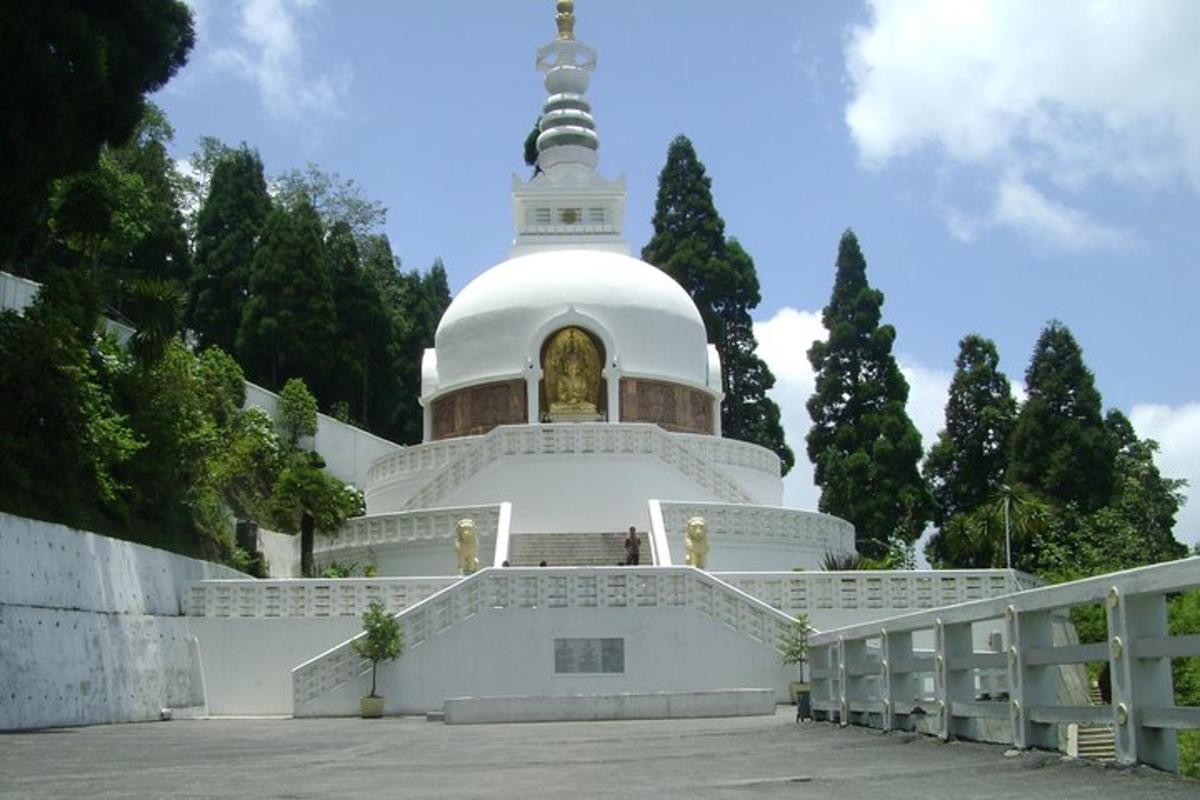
x=793 y=649
x=383 y=640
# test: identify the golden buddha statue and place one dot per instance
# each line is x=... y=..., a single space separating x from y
x=572 y=368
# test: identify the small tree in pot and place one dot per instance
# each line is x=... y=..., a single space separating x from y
x=793 y=649
x=383 y=641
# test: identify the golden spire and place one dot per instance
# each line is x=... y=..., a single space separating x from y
x=565 y=19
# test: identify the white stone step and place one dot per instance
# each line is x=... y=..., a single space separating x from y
x=572 y=549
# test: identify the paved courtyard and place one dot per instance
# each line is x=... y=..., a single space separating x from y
x=760 y=757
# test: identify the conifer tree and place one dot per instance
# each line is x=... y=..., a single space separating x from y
x=363 y=325
x=1060 y=446
x=227 y=235
x=966 y=465
x=862 y=443
x=689 y=245
x=289 y=323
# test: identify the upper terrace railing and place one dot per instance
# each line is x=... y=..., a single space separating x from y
x=549 y=589
x=870 y=590
x=306 y=597
x=421 y=525
x=577 y=439
x=433 y=455
x=819 y=534
x=869 y=674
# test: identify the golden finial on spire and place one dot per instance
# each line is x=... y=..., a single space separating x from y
x=565 y=19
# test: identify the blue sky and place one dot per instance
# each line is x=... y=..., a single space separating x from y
x=1002 y=163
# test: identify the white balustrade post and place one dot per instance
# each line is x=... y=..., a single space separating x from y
x=1030 y=686
x=821 y=658
x=853 y=660
x=958 y=684
x=1139 y=683
x=897 y=686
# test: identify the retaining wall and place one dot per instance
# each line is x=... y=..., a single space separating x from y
x=90 y=628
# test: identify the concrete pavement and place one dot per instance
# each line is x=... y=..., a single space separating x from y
x=754 y=757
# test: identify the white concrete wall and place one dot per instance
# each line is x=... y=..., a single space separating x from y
x=16 y=293
x=348 y=451
x=560 y=708
x=89 y=627
x=510 y=651
x=248 y=662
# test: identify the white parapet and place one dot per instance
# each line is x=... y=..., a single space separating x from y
x=626 y=705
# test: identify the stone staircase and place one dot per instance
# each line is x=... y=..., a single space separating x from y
x=573 y=549
x=1096 y=741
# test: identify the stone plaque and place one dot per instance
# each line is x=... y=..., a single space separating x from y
x=584 y=656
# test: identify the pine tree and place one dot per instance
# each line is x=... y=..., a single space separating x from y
x=864 y=446
x=227 y=235
x=289 y=325
x=689 y=245
x=1060 y=446
x=966 y=465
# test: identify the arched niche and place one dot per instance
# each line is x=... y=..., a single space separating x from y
x=573 y=387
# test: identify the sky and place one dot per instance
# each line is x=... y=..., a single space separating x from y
x=1002 y=163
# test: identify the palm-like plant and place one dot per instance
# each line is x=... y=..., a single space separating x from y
x=156 y=309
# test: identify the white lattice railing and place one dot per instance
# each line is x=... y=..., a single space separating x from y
x=731 y=452
x=575 y=439
x=546 y=589
x=308 y=597
x=889 y=592
x=409 y=526
x=821 y=533
x=869 y=674
x=418 y=458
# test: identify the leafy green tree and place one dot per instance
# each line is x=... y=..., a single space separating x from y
x=383 y=639
x=302 y=489
x=289 y=322
x=336 y=199
x=864 y=446
x=689 y=245
x=228 y=227
x=78 y=75
x=297 y=411
x=1060 y=446
x=100 y=214
x=65 y=442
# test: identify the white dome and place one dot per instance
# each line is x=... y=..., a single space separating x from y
x=495 y=327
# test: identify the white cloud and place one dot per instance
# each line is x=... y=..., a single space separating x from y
x=1069 y=93
x=783 y=342
x=1177 y=430
x=270 y=56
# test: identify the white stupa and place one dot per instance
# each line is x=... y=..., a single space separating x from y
x=572 y=393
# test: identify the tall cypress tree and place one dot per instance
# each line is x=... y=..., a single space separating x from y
x=289 y=323
x=966 y=466
x=1060 y=446
x=862 y=442
x=227 y=234
x=689 y=245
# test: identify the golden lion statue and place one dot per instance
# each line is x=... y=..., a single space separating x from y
x=696 y=542
x=466 y=545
